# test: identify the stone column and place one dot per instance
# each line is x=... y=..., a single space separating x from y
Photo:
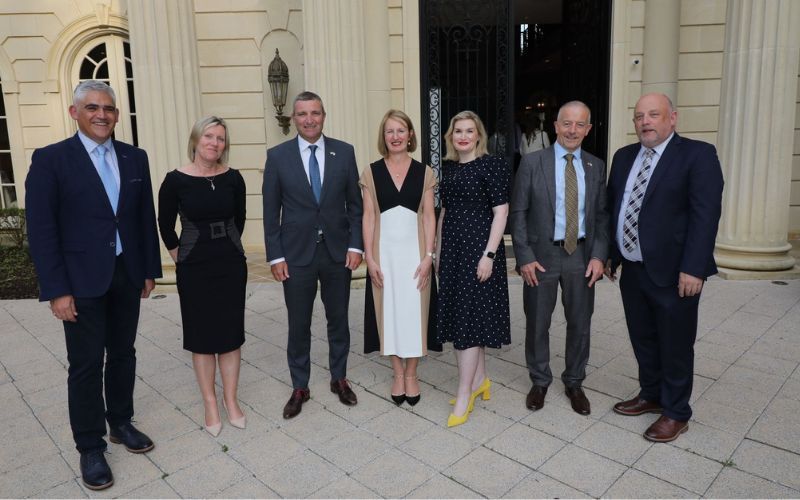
x=662 y=29
x=376 y=27
x=336 y=69
x=757 y=119
x=166 y=83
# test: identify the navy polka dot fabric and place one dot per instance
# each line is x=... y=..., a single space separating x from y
x=470 y=313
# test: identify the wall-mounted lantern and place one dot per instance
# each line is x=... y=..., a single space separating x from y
x=278 y=77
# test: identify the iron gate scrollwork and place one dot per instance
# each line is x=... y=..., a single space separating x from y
x=467 y=54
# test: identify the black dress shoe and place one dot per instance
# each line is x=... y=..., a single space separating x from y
x=578 y=400
x=535 y=399
x=134 y=440
x=295 y=404
x=413 y=400
x=398 y=398
x=95 y=472
x=346 y=394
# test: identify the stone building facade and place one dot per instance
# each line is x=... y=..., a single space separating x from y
x=731 y=67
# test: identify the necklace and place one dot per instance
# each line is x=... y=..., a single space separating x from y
x=211 y=180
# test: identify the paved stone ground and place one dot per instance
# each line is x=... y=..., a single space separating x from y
x=744 y=439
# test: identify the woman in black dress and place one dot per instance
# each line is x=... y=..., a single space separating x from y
x=473 y=297
x=210 y=264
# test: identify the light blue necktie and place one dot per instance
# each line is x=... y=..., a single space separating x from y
x=313 y=173
x=110 y=183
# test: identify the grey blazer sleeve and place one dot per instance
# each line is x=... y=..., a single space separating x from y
x=520 y=205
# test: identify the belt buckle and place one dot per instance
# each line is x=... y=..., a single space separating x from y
x=217 y=230
x=320 y=236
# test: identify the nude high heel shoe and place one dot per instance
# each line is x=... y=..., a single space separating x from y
x=215 y=429
x=239 y=423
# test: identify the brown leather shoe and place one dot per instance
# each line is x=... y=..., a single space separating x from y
x=535 y=399
x=637 y=406
x=578 y=400
x=295 y=404
x=346 y=394
x=665 y=430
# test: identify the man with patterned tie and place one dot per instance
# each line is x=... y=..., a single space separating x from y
x=559 y=226
x=666 y=198
x=312 y=229
x=93 y=240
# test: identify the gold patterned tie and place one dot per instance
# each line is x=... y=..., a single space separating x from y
x=571 y=206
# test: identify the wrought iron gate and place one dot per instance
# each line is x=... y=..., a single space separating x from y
x=467 y=55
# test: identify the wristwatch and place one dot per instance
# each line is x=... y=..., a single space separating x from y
x=489 y=254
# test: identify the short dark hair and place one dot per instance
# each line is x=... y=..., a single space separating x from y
x=307 y=95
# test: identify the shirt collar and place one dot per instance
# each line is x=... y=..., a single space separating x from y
x=561 y=151
x=660 y=148
x=90 y=145
x=304 y=144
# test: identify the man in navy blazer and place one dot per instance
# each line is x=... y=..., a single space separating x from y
x=666 y=197
x=312 y=228
x=93 y=240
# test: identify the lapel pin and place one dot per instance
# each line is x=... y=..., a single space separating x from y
x=333 y=153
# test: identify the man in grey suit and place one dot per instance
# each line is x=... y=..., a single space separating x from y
x=559 y=225
x=312 y=228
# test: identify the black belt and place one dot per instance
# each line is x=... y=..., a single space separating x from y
x=560 y=243
x=217 y=230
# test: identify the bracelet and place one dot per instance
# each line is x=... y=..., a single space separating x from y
x=432 y=255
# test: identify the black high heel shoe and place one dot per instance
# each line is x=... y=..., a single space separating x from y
x=399 y=398
x=412 y=400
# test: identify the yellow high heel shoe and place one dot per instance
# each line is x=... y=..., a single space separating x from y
x=454 y=420
x=484 y=389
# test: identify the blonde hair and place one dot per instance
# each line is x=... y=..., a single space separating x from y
x=396 y=114
x=201 y=126
x=480 y=147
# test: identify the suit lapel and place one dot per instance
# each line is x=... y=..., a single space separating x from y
x=331 y=164
x=299 y=171
x=548 y=165
x=669 y=156
x=589 y=173
x=126 y=169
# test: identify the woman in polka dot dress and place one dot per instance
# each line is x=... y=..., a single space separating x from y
x=473 y=298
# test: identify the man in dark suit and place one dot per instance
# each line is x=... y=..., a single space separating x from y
x=666 y=198
x=93 y=239
x=559 y=226
x=312 y=228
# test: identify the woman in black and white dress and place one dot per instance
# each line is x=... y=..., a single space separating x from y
x=399 y=227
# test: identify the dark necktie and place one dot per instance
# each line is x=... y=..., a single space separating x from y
x=630 y=228
x=570 y=205
x=313 y=173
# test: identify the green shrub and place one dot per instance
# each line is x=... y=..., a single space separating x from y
x=17 y=275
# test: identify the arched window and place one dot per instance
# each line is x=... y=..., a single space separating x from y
x=108 y=58
x=8 y=192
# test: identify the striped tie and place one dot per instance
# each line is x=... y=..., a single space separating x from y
x=630 y=228
x=571 y=206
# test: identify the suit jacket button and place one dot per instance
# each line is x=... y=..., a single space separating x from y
x=113 y=244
